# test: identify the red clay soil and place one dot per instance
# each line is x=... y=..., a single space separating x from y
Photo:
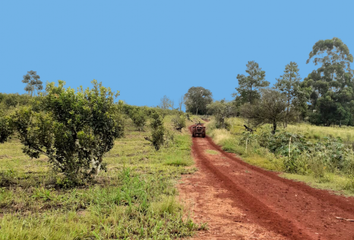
x=278 y=208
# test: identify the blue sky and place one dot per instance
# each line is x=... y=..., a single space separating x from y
x=148 y=49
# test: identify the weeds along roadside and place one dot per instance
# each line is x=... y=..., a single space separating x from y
x=321 y=159
x=134 y=199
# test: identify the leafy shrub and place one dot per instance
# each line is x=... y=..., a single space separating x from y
x=278 y=143
x=12 y=100
x=139 y=118
x=7 y=177
x=73 y=129
x=158 y=130
x=303 y=156
x=5 y=129
x=221 y=110
x=179 y=121
x=169 y=138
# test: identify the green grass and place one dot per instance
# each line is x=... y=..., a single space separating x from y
x=229 y=142
x=316 y=132
x=340 y=184
x=134 y=199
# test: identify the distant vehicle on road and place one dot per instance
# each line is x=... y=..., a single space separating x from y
x=198 y=130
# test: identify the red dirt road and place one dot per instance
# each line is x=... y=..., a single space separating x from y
x=236 y=198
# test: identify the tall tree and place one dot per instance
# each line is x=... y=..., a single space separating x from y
x=33 y=82
x=249 y=86
x=196 y=100
x=289 y=84
x=332 y=89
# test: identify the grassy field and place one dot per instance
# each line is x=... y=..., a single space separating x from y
x=316 y=132
x=315 y=174
x=134 y=199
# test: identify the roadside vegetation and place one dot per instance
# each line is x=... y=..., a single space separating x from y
x=303 y=128
x=323 y=159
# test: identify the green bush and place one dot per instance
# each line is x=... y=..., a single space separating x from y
x=305 y=156
x=158 y=130
x=73 y=129
x=179 y=121
x=138 y=117
x=221 y=110
x=5 y=129
x=13 y=100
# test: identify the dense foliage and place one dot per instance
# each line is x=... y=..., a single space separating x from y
x=5 y=129
x=303 y=155
x=73 y=129
x=296 y=97
x=249 y=86
x=179 y=121
x=332 y=88
x=9 y=101
x=139 y=117
x=271 y=108
x=221 y=110
x=197 y=99
x=325 y=97
x=158 y=130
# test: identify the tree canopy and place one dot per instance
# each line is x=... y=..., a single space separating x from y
x=197 y=99
x=289 y=84
x=332 y=93
x=221 y=110
x=249 y=86
x=33 y=82
x=271 y=108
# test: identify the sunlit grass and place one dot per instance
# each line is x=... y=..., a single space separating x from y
x=229 y=141
x=345 y=133
x=329 y=181
x=261 y=157
x=134 y=199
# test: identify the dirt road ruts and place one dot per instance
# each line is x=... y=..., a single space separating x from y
x=291 y=209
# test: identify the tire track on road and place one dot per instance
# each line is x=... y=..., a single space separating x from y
x=290 y=208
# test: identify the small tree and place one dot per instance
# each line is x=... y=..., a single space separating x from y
x=166 y=103
x=73 y=129
x=179 y=121
x=158 y=130
x=271 y=108
x=33 y=82
x=289 y=84
x=196 y=100
x=139 y=118
x=248 y=89
x=221 y=110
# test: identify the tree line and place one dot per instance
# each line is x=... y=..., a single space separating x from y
x=324 y=97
